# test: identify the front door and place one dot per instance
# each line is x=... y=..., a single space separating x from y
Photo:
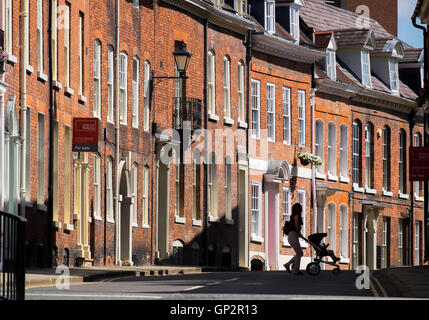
x=125 y=223
x=272 y=205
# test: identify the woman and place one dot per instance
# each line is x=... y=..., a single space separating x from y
x=293 y=238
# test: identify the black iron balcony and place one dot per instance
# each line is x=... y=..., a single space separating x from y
x=186 y=110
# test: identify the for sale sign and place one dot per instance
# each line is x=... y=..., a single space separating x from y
x=419 y=164
x=85 y=134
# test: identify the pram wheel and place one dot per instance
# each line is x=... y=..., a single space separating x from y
x=336 y=271
x=313 y=268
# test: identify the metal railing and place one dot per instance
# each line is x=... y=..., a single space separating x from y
x=12 y=256
x=187 y=109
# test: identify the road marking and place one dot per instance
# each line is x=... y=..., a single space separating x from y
x=233 y=279
x=193 y=288
x=371 y=285
x=91 y=295
x=380 y=286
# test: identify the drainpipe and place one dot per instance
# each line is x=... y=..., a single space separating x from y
x=426 y=140
x=2 y=94
x=206 y=156
x=248 y=63
x=411 y=120
x=117 y=218
x=313 y=150
x=23 y=116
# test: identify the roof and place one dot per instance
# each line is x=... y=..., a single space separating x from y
x=280 y=31
x=352 y=37
x=411 y=55
x=322 y=39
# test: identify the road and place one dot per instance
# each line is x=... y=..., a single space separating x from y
x=272 y=285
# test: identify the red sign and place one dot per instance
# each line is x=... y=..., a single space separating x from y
x=419 y=164
x=85 y=134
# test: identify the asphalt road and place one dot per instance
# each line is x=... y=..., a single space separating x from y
x=273 y=285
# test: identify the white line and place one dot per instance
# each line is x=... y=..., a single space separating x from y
x=193 y=288
x=90 y=295
x=233 y=279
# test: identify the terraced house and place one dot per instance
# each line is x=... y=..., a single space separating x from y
x=198 y=160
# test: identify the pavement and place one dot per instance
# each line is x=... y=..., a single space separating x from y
x=409 y=282
x=52 y=276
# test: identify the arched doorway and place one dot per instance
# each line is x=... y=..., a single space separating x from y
x=125 y=219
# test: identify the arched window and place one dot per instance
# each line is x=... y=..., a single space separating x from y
x=402 y=162
x=97 y=78
x=343 y=231
x=227 y=87
x=178 y=252
x=386 y=158
x=319 y=144
x=344 y=168
x=369 y=155
x=211 y=82
x=357 y=149
x=332 y=150
x=109 y=189
x=332 y=217
x=97 y=186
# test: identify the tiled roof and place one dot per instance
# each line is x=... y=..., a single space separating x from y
x=322 y=39
x=351 y=36
x=280 y=31
x=411 y=55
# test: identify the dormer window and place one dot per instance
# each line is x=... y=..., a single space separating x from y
x=366 y=71
x=331 y=65
x=270 y=6
x=393 y=74
x=294 y=23
x=240 y=6
x=219 y=3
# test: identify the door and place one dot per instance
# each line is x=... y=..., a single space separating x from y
x=243 y=221
x=125 y=223
x=162 y=210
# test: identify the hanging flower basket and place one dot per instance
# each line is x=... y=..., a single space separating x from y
x=307 y=158
x=3 y=58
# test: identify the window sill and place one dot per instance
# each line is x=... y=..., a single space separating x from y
x=344 y=260
x=196 y=222
x=242 y=124
x=320 y=176
x=213 y=219
x=110 y=220
x=213 y=117
x=344 y=180
x=57 y=85
x=332 y=178
x=30 y=69
x=420 y=199
x=387 y=193
x=134 y=225
x=69 y=91
x=68 y=227
x=82 y=99
x=229 y=221
x=98 y=218
x=356 y=188
x=228 y=121
x=42 y=77
x=255 y=238
x=370 y=191
x=145 y=226
x=403 y=196
x=180 y=220
x=12 y=59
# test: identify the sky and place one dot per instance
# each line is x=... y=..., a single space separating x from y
x=406 y=31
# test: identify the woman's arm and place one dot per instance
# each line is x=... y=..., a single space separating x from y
x=297 y=226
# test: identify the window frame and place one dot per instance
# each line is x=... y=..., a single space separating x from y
x=240 y=90
x=366 y=68
x=271 y=112
x=387 y=156
x=319 y=144
x=257 y=222
x=332 y=149
x=40 y=43
x=123 y=88
x=97 y=79
x=393 y=76
x=255 y=110
x=301 y=117
x=97 y=186
x=135 y=92
x=344 y=161
x=227 y=86
x=270 y=17
x=331 y=69
x=357 y=153
x=211 y=82
x=110 y=83
x=287 y=115
x=402 y=161
x=146 y=96
x=109 y=190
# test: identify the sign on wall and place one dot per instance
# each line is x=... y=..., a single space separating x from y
x=85 y=134
x=419 y=164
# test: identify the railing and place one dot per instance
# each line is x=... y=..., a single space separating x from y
x=187 y=109
x=12 y=253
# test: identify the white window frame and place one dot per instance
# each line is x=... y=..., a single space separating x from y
x=286 y=206
x=270 y=17
x=41 y=158
x=211 y=82
x=294 y=22
x=332 y=222
x=110 y=83
x=331 y=65
x=366 y=68
x=417 y=230
x=271 y=112
x=386 y=158
x=54 y=40
x=400 y=242
x=319 y=144
x=228 y=190
x=417 y=143
x=402 y=161
x=332 y=150
x=256 y=109
x=123 y=84
x=81 y=53
x=356 y=152
x=67 y=18
x=136 y=81
x=369 y=154
x=256 y=211
x=97 y=78
x=109 y=190
x=240 y=6
x=301 y=117
x=227 y=87
x=393 y=76
x=344 y=168
x=240 y=89
x=286 y=115
x=40 y=32
x=145 y=200
x=146 y=96
x=212 y=187
x=97 y=187
x=9 y=27
x=177 y=202
x=302 y=193
x=344 y=252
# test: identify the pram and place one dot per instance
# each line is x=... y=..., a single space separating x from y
x=315 y=240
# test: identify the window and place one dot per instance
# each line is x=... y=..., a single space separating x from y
x=369 y=154
x=54 y=40
x=256 y=214
x=343 y=231
x=286 y=116
x=256 y=107
x=67 y=173
x=226 y=87
x=301 y=117
x=402 y=162
x=393 y=75
x=301 y=201
x=356 y=236
x=178 y=203
x=211 y=83
x=81 y=54
x=228 y=209
x=67 y=13
x=109 y=190
x=366 y=71
x=41 y=159
x=136 y=76
x=332 y=149
x=294 y=23
x=386 y=158
x=123 y=88
x=270 y=15
x=286 y=205
x=240 y=87
x=401 y=243
x=146 y=95
x=418 y=187
x=332 y=216
x=196 y=185
x=331 y=65
x=240 y=6
x=97 y=186
x=344 y=162
x=145 y=204
x=178 y=92
x=9 y=26
x=110 y=83
x=212 y=185
x=134 y=192
x=97 y=79
x=271 y=110
x=319 y=142
x=417 y=243
x=385 y=243
x=39 y=35
x=357 y=147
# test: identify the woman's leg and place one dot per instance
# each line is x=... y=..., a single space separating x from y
x=294 y=242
